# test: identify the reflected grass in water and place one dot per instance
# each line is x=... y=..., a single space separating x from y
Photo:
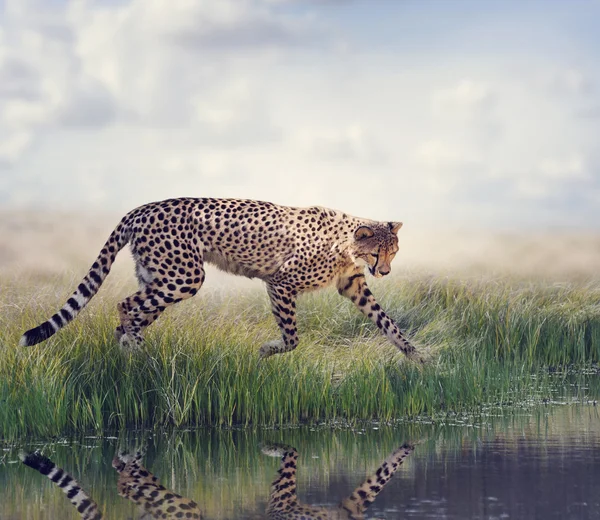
x=137 y=484
x=489 y=342
x=225 y=472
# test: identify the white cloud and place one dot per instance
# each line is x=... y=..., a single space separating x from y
x=572 y=168
x=20 y=113
x=555 y=175
x=12 y=147
x=571 y=81
x=113 y=104
x=352 y=142
x=436 y=154
x=467 y=98
x=88 y=104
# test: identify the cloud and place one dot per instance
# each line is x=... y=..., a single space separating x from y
x=591 y=113
x=571 y=81
x=232 y=26
x=234 y=113
x=227 y=25
x=467 y=98
x=89 y=104
x=436 y=154
x=18 y=80
x=570 y=168
x=12 y=147
x=350 y=143
x=111 y=104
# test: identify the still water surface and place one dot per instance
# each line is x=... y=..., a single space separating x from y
x=542 y=463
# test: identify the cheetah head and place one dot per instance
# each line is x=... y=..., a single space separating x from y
x=375 y=246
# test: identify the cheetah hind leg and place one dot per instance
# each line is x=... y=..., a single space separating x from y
x=128 y=340
x=283 y=306
x=141 y=309
x=119 y=332
x=271 y=348
x=129 y=337
x=136 y=312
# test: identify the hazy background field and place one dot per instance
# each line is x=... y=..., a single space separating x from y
x=45 y=244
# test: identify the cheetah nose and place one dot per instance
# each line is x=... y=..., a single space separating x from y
x=383 y=272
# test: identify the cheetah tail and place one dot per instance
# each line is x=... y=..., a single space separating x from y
x=85 y=291
x=88 y=509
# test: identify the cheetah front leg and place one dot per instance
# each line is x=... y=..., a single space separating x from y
x=354 y=286
x=283 y=305
x=283 y=489
x=365 y=494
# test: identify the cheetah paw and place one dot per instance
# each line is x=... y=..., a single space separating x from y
x=270 y=348
x=420 y=357
x=275 y=449
x=129 y=343
x=119 y=334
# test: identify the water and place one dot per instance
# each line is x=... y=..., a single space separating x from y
x=540 y=463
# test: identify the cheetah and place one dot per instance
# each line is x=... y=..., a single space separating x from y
x=283 y=502
x=293 y=250
x=135 y=483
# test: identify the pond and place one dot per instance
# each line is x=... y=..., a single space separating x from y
x=542 y=462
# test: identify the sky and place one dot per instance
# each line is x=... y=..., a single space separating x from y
x=437 y=113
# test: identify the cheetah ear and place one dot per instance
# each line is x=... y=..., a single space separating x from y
x=395 y=227
x=363 y=232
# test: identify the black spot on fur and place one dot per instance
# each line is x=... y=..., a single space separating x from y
x=72 y=302
x=82 y=288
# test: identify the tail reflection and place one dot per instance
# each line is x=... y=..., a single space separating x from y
x=135 y=483
x=88 y=509
x=283 y=501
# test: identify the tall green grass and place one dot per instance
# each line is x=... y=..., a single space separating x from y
x=487 y=342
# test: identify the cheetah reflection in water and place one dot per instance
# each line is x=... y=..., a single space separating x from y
x=283 y=501
x=139 y=485
x=293 y=250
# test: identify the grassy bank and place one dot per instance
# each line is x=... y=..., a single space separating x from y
x=488 y=343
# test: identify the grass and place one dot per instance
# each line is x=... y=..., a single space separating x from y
x=488 y=342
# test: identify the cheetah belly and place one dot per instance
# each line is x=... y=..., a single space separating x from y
x=229 y=265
